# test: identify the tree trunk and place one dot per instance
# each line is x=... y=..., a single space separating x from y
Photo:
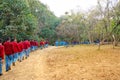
x=109 y=34
x=89 y=37
x=115 y=42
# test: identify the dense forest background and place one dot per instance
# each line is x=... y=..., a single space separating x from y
x=32 y=19
x=28 y=19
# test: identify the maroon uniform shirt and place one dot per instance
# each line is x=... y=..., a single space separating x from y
x=15 y=47
x=2 y=51
x=8 y=48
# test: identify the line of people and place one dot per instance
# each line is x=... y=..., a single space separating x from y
x=61 y=43
x=44 y=44
x=14 y=51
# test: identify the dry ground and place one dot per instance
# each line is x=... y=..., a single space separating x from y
x=72 y=63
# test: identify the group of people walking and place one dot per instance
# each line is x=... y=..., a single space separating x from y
x=61 y=43
x=12 y=51
x=44 y=44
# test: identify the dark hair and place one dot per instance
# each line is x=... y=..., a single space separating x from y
x=25 y=39
x=8 y=38
x=12 y=39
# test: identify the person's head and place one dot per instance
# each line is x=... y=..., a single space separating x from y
x=12 y=39
x=7 y=39
x=25 y=39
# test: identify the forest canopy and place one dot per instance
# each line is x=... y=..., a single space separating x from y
x=32 y=19
x=28 y=19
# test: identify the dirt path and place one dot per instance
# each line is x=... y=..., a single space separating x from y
x=73 y=63
x=32 y=68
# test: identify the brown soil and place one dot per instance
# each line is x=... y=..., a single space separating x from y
x=72 y=63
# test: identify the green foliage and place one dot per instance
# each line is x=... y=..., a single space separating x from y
x=47 y=21
x=26 y=19
x=33 y=20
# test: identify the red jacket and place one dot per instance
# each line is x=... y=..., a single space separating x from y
x=36 y=43
x=23 y=43
x=32 y=43
x=41 y=42
x=8 y=48
x=21 y=46
x=26 y=44
x=46 y=42
x=15 y=47
x=2 y=51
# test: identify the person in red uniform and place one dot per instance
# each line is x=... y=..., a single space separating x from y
x=15 y=50
x=46 y=43
x=26 y=47
x=41 y=44
x=28 y=43
x=24 y=50
x=1 y=56
x=32 y=45
x=8 y=54
x=36 y=44
x=20 y=46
